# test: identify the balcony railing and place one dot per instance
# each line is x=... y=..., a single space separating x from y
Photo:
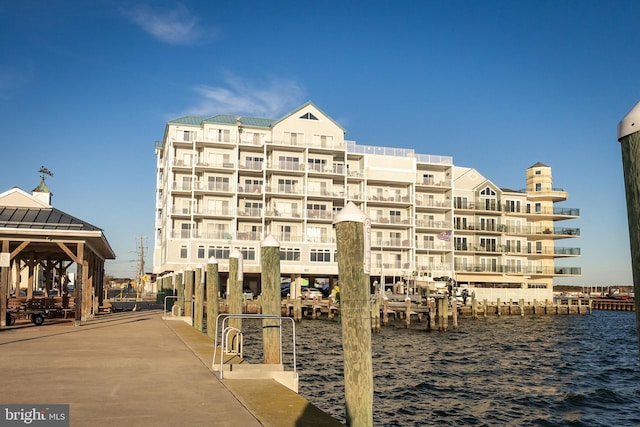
x=511 y=269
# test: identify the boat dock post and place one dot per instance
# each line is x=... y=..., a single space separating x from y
x=198 y=300
x=213 y=290
x=270 y=266
x=353 y=228
x=629 y=138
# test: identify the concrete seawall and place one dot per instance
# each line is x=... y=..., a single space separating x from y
x=133 y=368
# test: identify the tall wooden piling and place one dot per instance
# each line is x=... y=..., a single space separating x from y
x=180 y=291
x=353 y=245
x=234 y=288
x=375 y=314
x=270 y=265
x=213 y=290
x=432 y=314
x=188 y=291
x=454 y=313
x=407 y=309
x=629 y=137
x=198 y=299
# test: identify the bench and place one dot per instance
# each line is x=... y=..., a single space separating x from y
x=106 y=307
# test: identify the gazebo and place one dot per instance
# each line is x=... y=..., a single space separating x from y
x=40 y=243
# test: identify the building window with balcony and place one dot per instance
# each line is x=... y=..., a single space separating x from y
x=538 y=208
x=395 y=217
x=289 y=254
x=184 y=253
x=289 y=163
x=288 y=186
x=427 y=178
x=460 y=243
x=320 y=255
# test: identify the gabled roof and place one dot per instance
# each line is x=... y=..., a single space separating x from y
x=314 y=106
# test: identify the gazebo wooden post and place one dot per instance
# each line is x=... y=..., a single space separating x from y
x=79 y=284
x=4 y=286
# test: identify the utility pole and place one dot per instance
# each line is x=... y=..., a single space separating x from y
x=140 y=272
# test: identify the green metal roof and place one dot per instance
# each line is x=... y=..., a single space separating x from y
x=224 y=119
x=255 y=122
x=187 y=120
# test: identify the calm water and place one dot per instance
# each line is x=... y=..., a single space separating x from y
x=508 y=371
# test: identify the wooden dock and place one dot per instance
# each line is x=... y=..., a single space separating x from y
x=437 y=312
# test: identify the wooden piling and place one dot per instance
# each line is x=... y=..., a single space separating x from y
x=385 y=310
x=353 y=246
x=375 y=314
x=432 y=314
x=213 y=290
x=188 y=292
x=407 y=309
x=629 y=138
x=474 y=307
x=454 y=313
x=485 y=307
x=180 y=292
x=521 y=304
x=198 y=299
x=270 y=265
x=234 y=290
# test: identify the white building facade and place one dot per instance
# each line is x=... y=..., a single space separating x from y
x=226 y=182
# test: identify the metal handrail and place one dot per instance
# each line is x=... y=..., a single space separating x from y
x=226 y=316
x=192 y=301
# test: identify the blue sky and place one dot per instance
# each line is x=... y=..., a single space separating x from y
x=86 y=88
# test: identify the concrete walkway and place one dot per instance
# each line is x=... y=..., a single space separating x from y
x=134 y=369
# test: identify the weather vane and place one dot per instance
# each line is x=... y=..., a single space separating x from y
x=44 y=171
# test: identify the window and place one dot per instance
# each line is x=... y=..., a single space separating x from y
x=317 y=165
x=248 y=253
x=290 y=254
x=427 y=178
x=285 y=233
x=460 y=202
x=538 y=208
x=289 y=162
x=308 y=116
x=218 y=183
x=287 y=185
x=320 y=255
x=185 y=231
x=200 y=251
x=395 y=217
x=538 y=186
x=252 y=162
x=316 y=234
x=488 y=192
x=183 y=252
x=218 y=252
x=293 y=138
x=460 y=243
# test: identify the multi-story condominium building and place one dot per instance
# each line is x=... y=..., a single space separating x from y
x=226 y=182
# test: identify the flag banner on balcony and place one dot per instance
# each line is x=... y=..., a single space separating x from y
x=445 y=235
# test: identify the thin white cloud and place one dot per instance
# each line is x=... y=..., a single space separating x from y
x=269 y=100
x=176 y=26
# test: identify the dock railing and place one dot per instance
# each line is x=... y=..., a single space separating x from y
x=226 y=332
